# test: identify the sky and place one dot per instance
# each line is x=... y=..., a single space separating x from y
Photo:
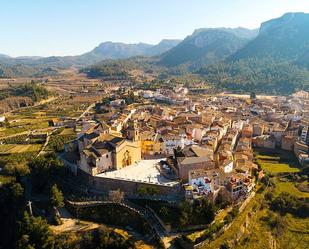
x=72 y=27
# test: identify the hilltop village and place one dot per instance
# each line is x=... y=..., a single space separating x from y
x=174 y=145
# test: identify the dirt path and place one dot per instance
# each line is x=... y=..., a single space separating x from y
x=86 y=111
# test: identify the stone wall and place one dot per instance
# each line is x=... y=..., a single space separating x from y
x=130 y=187
x=101 y=184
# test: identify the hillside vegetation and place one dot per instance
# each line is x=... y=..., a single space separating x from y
x=260 y=75
x=16 y=96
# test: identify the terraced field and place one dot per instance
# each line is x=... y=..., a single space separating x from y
x=19 y=148
x=278 y=162
x=283 y=186
x=249 y=230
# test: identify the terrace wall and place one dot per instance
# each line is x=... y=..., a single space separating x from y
x=130 y=188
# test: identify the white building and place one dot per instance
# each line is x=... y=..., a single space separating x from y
x=172 y=142
x=228 y=166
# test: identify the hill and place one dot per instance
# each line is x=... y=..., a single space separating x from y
x=119 y=69
x=265 y=75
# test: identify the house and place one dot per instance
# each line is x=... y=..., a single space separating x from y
x=235 y=186
x=287 y=143
x=301 y=94
x=202 y=184
x=118 y=102
x=191 y=158
x=265 y=141
x=305 y=135
x=227 y=166
x=174 y=140
x=96 y=159
x=247 y=131
x=258 y=129
x=278 y=133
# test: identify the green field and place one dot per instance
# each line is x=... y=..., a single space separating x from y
x=290 y=188
x=21 y=124
x=281 y=162
x=277 y=162
x=276 y=167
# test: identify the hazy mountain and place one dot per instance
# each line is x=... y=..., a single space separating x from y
x=4 y=56
x=105 y=50
x=117 y=50
x=286 y=37
x=206 y=46
x=161 y=47
x=240 y=32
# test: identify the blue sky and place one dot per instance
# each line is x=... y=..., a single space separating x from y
x=70 y=27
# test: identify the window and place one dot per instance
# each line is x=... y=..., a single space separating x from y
x=107 y=156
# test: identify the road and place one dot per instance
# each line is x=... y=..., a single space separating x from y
x=146 y=213
x=47 y=140
x=86 y=111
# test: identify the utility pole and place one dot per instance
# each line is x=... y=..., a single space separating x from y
x=30 y=207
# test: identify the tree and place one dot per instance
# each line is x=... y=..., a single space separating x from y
x=164 y=211
x=17 y=192
x=147 y=190
x=43 y=169
x=56 y=199
x=34 y=231
x=275 y=222
x=198 y=212
x=224 y=245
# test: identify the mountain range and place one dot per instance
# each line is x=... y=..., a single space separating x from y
x=105 y=50
x=276 y=55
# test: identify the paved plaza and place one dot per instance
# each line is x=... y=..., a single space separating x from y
x=142 y=171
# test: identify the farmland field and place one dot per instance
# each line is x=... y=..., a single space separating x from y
x=289 y=187
x=278 y=162
x=276 y=167
x=281 y=164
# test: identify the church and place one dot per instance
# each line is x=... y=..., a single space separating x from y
x=101 y=150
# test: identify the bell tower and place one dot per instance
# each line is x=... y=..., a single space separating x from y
x=136 y=136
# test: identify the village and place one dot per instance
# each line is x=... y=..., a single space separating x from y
x=184 y=146
x=162 y=153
